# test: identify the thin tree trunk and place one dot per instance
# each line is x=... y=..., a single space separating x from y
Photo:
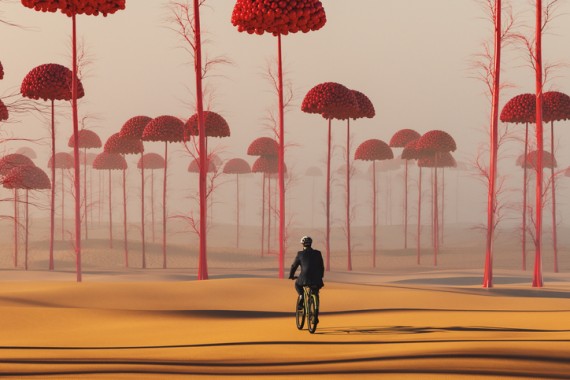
x=110 y=214
x=373 y=214
x=237 y=210
x=419 y=215
x=269 y=214
x=62 y=205
x=164 y=206
x=281 y=164
x=85 y=192
x=142 y=217
x=125 y=218
x=152 y=205
x=263 y=215
x=435 y=216
x=553 y=188
x=348 y=242
x=525 y=180
x=16 y=217
x=27 y=230
x=328 y=203
x=52 y=195
x=441 y=232
x=76 y=165
x=406 y=206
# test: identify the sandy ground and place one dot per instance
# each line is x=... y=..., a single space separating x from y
x=399 y=320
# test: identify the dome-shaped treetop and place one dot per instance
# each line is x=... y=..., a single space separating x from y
x=3 y=111
x=444 y=160
x=214 y=123
x=401 y=138
x=331 y=100
x=548 y=160
x=134 y=127
x=63 y=160
x=87 y=139
x=151 y=161
x=278 y=17
x=520 y=109
x=71 y=7
x=557 y=106
x=263 y=146
x=314 y=171
x=373 y=150
x=28 y=177
x=27 y=151
x=365 y=107
x=194 y=166
x=164 y=128
x=49 y=82
x=436 y=141
x=117 y=144
x=109 y=161
x=10 y=161
x=266 y=164
x=237 y=166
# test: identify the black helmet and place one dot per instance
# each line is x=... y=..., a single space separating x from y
x=306 y=241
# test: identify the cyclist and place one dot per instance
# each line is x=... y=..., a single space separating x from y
x=312 y=268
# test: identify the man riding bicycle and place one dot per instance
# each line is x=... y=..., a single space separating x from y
x=312 y=268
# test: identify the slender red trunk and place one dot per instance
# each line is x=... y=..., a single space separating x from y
x=16 y=217
x=110 y=214
x=406 y=206
x=52 y=195
x=441 y=232
x=537 y=277
x=263 y=215
x=202 y=260
x=85 y=192
x=348 y=242
x=76 y=179
x=269 y=213
x=374 y=214
x=419 y=215
x=100 y=185
x=281 y=163
x=62 y=205
x=164 y=207
x=553 y=189
x=27 y=230
x=525 y=180
x=143 y=244
x=237 y=210
x=328 y=203
x=152 y=204
x=435 y=216
x=125 y=218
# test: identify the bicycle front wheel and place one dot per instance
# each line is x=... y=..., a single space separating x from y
x=300 y=315
x=312 y=317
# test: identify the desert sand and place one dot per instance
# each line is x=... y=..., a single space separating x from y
x=399 y=320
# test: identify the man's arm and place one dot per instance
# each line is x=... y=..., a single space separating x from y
x=294 y=266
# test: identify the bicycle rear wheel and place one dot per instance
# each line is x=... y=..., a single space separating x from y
x=300 y=314
x=312 y=316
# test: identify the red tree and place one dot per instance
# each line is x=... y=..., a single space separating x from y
x=237 y=166
x=151 y=161
x=63 y=161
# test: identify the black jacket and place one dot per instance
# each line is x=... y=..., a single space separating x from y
x=312 y=268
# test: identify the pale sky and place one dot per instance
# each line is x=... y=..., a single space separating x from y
x=410 y=57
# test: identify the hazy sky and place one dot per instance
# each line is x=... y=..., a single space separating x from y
x=411 y=57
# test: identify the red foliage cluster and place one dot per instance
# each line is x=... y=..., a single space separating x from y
x=1 y=71
x=215 y=125
x=278 y=16
x=436 y=141
x=365 y=106
x=28 y=177
x=134 y=127
x=444 y=160
x=151 y=161
x=63 y=160
x=117 y=144
x=109 y=161
x=410 y=151
x=237 y=166
x=71 y=7
x=3 y=111
x=164 y=128
x=331 y=100
x=520 y=109
x=87 y=139
x=194 y=166
x=401 y=138
x=10 y=161
x=263 y=146
x=372 y=150
x=50 y=82
x=313 y=171
x=548 y=160
x=265 y=164
x=557 y=106
x=27 y=151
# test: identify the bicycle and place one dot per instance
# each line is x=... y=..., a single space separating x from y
x=309 y=310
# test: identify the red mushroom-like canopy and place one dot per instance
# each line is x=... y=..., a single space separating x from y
x=151 y=161
x=87 y=139
x=10 y=161
x=237 y=166
x=263 y=146
x=331 y=100
x=50 y=82
x=27 y=151
x=117 y=144
x=557 y=106
x=548 y=160
x=194 y=166
x=109 y=161
x=401 y=138
x=436 y=141
x=372 y=150
x=445 y=160
x=278 y=17
x=3 y=111
x=520 y=109
x=313 y=171
x=266 y=164
x=164 y=128
x=28 y=177
x=365 y=107
x=71 y=7
x=63 y=160
x=215 y=124
x=134 y=127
